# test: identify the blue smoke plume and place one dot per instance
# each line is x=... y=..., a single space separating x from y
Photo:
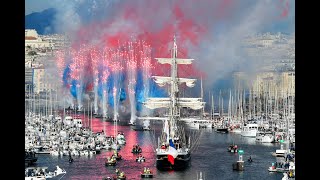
x=66 y=76
x=109 y=87
x=73 y=88
x=154 y=90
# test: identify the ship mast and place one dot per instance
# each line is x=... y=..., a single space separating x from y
x=173 y=102
x=174 y=87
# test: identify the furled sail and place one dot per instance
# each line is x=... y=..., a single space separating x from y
x=162 y=80
x=193 y=103
x=178 y=61
x=153 y=103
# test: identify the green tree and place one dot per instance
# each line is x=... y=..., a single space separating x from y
x=32 y=53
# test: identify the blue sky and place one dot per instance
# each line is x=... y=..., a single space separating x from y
x=37 y=5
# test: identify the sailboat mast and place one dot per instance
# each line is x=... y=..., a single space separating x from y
x=244 y=104
x=64 y=108
x=91 y=116
x=202 y=112
x=220 y=104
x=51 y=101
x=212 y=106
x=56 y=103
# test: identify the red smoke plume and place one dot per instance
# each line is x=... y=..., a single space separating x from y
x=143 y=25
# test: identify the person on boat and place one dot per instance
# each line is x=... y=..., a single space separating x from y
x=115 y=153
x=286 y=166
x=148 y=171
x=70 y=157
x=235 y=147
x=117 y=171
x=121 y=174
x=144 y=170
x=163 y=146
x=291 y=173
x=167 y=145
x=41 y=172
x=114 y=158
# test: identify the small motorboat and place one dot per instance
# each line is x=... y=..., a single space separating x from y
x=146 y=173
x=117 y=156
x=233 y=148
x=42 y=173
x=279 y=167
x=111 y=162
x=222 y=130
x=272 y=168
x=107 y=178
x=119 y=176
x=98 y=149
x=132 y=123
x=136 y=149
x=140 y=159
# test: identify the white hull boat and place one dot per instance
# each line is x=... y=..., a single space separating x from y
x=265 y=137
x=249 y=130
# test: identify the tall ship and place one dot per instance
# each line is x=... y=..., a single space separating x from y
x=173 y=145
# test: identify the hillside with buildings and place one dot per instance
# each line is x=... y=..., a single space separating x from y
x=40 y=75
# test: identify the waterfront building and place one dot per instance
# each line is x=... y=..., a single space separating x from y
x=33 y=40
x=28 y=79
x=44 y=80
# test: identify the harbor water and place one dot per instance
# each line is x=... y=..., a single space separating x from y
x=211 y=157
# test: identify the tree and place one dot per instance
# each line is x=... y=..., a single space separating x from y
x=32 y=53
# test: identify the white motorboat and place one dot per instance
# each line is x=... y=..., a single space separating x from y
x=121 y=139
x=77 y=122
x=42 y=173
x=265 y=137
x=197 y=123
x=68 y=120
x=280 y=152
x=54 y=153
x=140 y=159
x=57 y=118
x=35 y=178
x=115 y=146
x=249 y=130
x=132 y=123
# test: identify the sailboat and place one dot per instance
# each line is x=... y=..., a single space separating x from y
x=201 y=121
x=173 y=150
x=222 y=128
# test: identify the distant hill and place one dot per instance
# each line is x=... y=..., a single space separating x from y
x=41 y=21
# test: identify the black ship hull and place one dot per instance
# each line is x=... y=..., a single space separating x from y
x=180 y=163
x=222 y=130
